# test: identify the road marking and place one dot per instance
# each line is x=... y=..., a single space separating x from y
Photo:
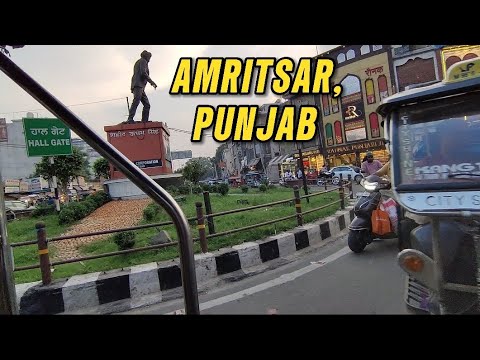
x=282 y=279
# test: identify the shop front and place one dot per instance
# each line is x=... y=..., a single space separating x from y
x=313 y=161
x=353 y=154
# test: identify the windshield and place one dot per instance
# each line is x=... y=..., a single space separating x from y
x=439 y=141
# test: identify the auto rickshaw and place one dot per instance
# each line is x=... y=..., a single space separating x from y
x=434 y=139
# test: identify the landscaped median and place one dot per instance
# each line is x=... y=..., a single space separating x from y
x=257 y=212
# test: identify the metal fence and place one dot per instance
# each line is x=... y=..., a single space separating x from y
x=203 y=219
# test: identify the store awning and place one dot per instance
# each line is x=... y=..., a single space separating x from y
x=278 y=160
x=254 y=162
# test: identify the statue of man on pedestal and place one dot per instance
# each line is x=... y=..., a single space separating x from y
x=141 y=75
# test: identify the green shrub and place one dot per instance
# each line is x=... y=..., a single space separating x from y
x=90 y=205
x=184 y=189
x=197 y=189
x=214 y=188
x=206 y=187
x=124 y=240
x=271 y=186
x=66 y=216
x=80 y=210
x=262 y=188
x=42 y=210
x=244 y=188
x=149 y=213
x=172 y=190
x=157 y=208
x=223 y=189
x=100 y=198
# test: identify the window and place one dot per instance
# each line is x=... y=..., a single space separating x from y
x=338 y=132
x=374 y=126
x=370 y=91
x=376 y=47
x=469 y=56
x=340 y=58
x=452 y=60
x=350 y=85
x=329 y=134
x=326 y=105
x=350 y=54
x=382 y=86
x=365 y=49
x=335 y=107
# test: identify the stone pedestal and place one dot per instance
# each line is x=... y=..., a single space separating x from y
x=147 y=145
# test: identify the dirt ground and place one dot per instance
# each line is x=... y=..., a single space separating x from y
x=113 y=215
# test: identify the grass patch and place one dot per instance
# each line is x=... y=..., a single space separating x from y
x=222 y=223
x=24 y=230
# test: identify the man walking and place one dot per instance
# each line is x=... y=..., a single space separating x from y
x=141 y=75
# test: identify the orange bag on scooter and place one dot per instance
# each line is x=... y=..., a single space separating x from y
x=380 y=222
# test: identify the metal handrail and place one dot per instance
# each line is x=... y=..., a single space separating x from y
x=130 y=170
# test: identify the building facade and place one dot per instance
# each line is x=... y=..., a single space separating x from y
x=92 y=155
x=14 y=161
x=266 y=157
x=453 y=54
x=415 y=65
x=313 y=159
x=350 y=124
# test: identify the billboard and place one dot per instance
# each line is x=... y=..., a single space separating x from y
x=185 y=154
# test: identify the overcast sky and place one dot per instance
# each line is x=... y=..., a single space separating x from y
x=85 y=74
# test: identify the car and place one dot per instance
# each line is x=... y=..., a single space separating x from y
x=345 y=170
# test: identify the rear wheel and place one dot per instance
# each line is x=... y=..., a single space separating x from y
x=357 y=241
x=335 y=181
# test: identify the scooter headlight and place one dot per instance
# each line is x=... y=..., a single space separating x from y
x=370 y=186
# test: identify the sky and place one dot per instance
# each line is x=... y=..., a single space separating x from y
x=101 y=74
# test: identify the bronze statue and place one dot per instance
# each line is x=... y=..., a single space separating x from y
x=141 y=75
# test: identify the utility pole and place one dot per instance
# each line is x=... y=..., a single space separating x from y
x=8 y=297
x=302 y=169
x=55 y=186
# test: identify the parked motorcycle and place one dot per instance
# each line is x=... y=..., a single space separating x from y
x=324 y=177
x=361 y=234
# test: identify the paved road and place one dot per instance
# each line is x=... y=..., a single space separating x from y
x=327 y=280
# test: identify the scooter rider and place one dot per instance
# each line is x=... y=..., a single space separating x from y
x=371 y=165
x=408 y=221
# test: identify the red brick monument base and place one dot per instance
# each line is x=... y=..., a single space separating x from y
x=147 y=145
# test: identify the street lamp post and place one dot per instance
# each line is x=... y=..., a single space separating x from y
x=302 y=169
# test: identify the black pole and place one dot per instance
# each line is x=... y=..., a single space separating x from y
x=302 y=169
x=8 y=298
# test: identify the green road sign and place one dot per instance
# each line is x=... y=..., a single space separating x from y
x=46 y=137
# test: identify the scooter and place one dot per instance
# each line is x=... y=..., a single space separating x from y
x=323 y=177
x=360 y=234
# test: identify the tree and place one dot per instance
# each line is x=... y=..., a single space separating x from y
x=195 y=169
x=64 y=167
x=101 y=167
